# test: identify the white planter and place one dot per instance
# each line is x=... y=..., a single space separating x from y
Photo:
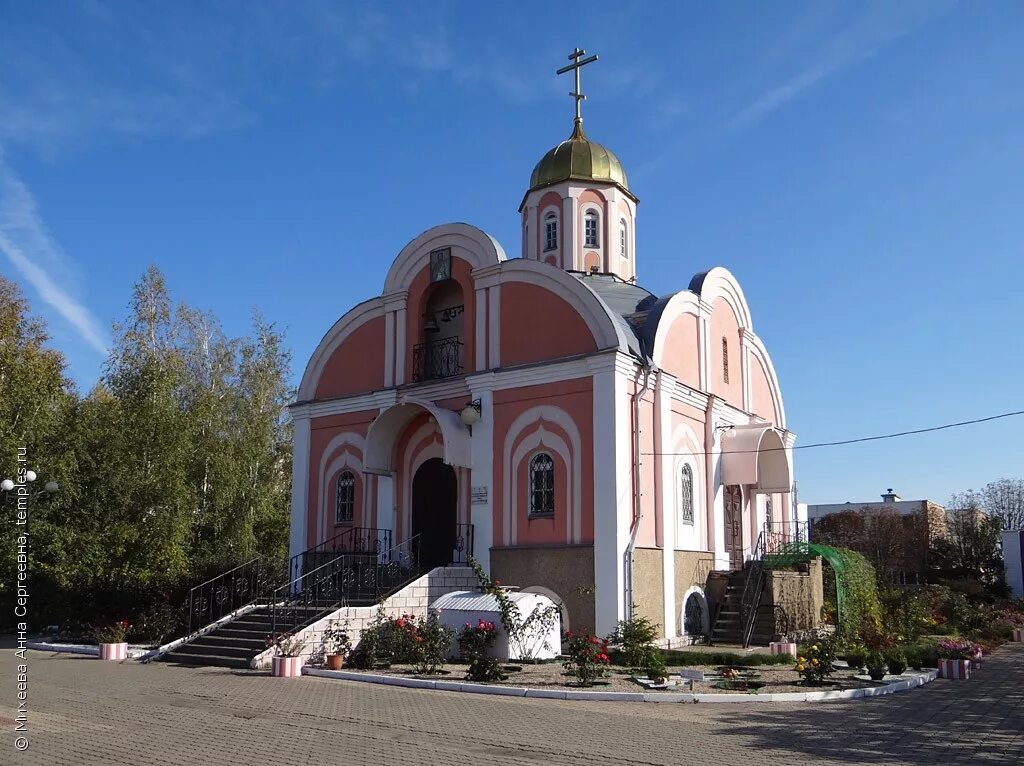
x=114 y=651
x=286 y=667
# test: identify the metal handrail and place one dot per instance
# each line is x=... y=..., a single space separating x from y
x=751 y=598
x=350 y=540
x=347 y=577
x=230 y=591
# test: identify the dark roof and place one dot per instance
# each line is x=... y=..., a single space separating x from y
x=630 y=304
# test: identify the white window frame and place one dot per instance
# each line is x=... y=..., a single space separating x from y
x=591 y=216
x=686 y=495
x=548 y=491
x=623 y=239
x=550 y=232
x=349 y=484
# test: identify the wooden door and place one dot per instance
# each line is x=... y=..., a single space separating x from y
x=734 y=525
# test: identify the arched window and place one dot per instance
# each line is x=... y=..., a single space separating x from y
x=725 y=360
x=550 y=232
x=623 y=239
x=345 y=498
x=686 y=495
x=542 y=485
x=590 y=237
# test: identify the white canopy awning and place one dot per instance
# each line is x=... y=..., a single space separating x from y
x=756 y=455
x=385 y=430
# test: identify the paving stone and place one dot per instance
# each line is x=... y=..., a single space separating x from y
x=84 y=712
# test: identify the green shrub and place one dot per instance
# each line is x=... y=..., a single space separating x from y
x=684 y=658
x=875 y=664
x=925 y=655
x=856 y=657
x=896 y=660
x=906 y=613
x=635 y=638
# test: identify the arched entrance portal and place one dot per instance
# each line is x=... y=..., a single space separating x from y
x=434 y=505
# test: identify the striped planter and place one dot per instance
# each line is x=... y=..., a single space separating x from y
x=114 y=651
x=1018 y=634
x=956 y=669
x=782 y=647
x=286 y=667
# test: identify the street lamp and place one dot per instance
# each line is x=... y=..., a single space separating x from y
x=49 y=488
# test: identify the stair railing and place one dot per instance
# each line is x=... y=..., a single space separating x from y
x=350 y=540
x=753 y=586
x=346 y=578
x=229 y=591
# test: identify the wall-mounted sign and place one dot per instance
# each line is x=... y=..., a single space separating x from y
x=479 y=495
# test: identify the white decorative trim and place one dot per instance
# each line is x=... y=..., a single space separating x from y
x=347 y=438
x=683 y=302
x=537 y=441
x=705 y=622
x=389 y=349
x=469 y=243
x=381 y=436
x=300 y=485
x=720 y=283
x=595 y=312
x=494 y=326
x=349 y=322
x=563 y=420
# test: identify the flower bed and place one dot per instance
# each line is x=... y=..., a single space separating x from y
x=551 y=675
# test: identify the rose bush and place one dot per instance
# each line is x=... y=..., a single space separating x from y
x=586 y=657
x=475 y=641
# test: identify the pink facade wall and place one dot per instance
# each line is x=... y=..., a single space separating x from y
x=357 y=365
x=762 y=401
x=419 y=294
x=682 y=351
x=574 y=401
x=323 y=431
x=537 y=324
x=724 y=324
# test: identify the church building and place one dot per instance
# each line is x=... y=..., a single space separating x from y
x=579 y=435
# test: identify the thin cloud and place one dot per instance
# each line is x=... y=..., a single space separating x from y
x=32 y=250
x=879 y=26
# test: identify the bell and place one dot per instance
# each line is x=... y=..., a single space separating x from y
x=430 y=324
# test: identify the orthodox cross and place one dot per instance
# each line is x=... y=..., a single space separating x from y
x=575 y=66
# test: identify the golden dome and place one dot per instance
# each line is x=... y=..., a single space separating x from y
x=579 y=159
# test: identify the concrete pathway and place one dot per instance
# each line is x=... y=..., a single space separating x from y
x=81 y=711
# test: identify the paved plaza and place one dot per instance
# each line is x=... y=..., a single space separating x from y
x=82 y=711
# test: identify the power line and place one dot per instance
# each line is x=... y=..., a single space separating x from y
x=859 y=439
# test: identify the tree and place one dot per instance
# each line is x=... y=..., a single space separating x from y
x=970 y=549
x=1004 y=499
x=36 y=404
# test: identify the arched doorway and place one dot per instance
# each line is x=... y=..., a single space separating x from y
x=434 y=504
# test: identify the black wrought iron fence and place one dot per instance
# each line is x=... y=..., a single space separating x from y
x=346 y=579
x=231 y=590
x=366 y=541
x=437 y=359
x=779 y=534
x=463 y=544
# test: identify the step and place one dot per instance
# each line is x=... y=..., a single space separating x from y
x=188 y=658
x=217 y=639
x=221 y=650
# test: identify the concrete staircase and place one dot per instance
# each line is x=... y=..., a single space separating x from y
x=233 y=644
x=728 y=628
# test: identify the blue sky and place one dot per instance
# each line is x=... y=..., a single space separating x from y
x=857 y=165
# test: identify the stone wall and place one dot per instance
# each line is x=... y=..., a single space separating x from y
x=800 y=593
x=648 y=585
x=693 y=568
x=563 y=570
x=413 y=599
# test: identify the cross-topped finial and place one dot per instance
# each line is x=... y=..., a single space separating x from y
x=578 y=62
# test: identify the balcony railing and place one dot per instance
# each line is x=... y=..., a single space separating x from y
x=437 y=359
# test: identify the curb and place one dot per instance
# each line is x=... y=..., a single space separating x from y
x=896 y=684
x=46 y=646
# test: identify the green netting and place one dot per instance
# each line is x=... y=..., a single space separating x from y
x=791 y=554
